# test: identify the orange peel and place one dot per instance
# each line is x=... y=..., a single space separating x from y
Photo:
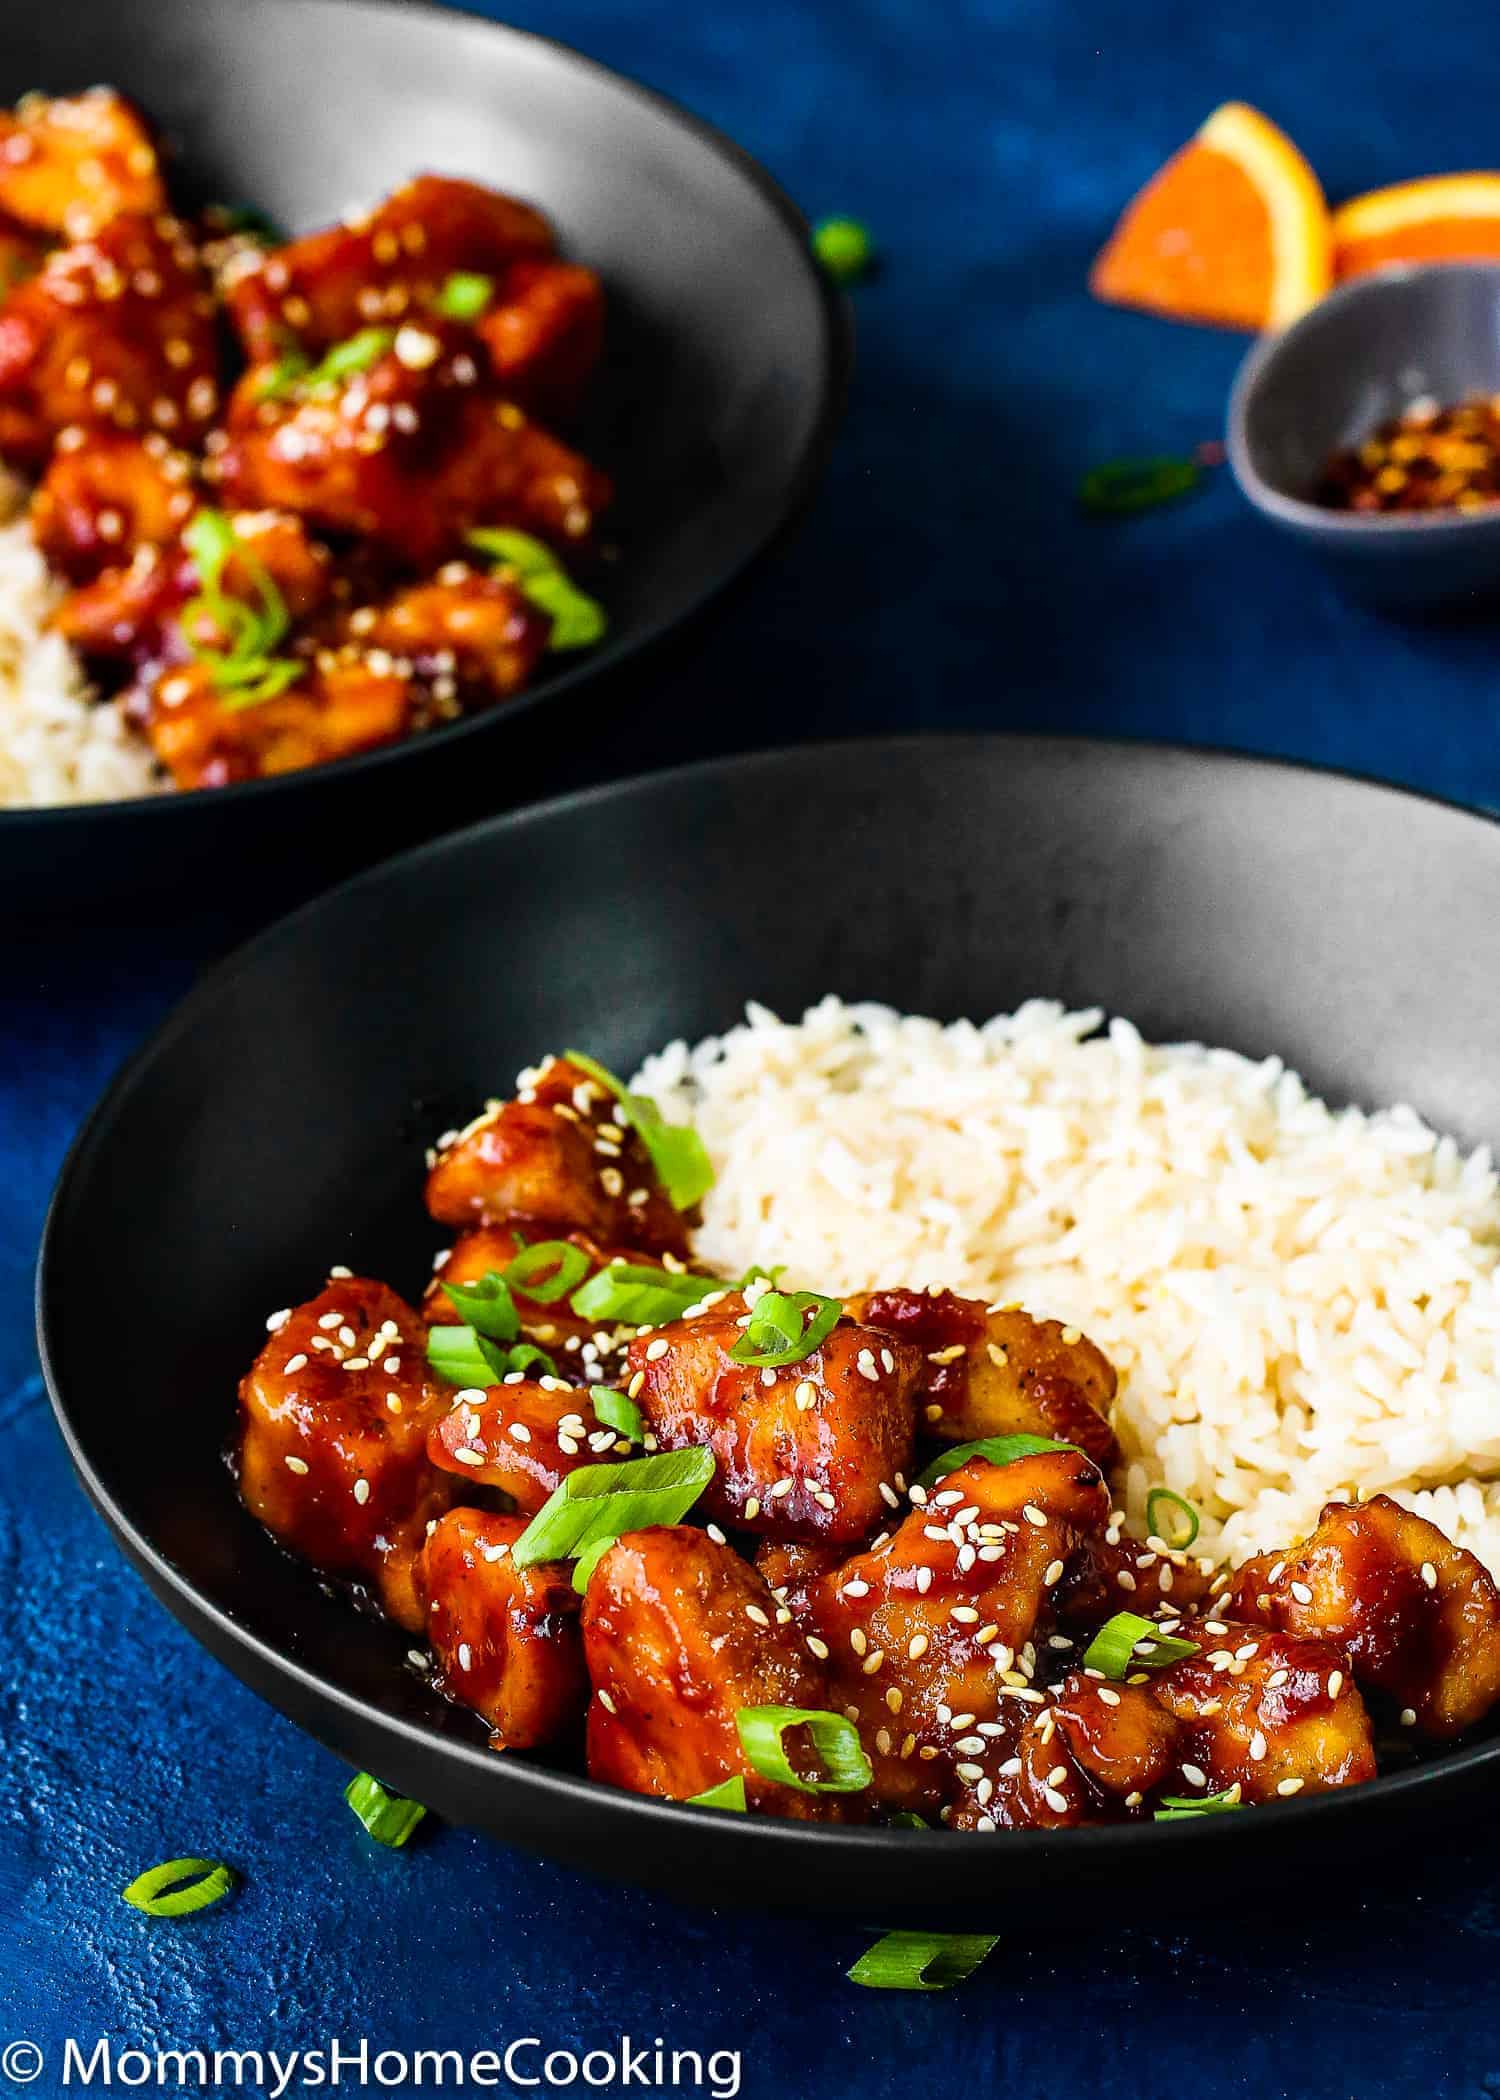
x=1441 y=218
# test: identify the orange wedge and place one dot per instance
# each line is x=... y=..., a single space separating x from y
x=1233 y=230
x=1444 y=218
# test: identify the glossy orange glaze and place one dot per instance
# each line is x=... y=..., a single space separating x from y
x=544 y=333
x=507 y=1639
x=71 y=163
x=524 y=1439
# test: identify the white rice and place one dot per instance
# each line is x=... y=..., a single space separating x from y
x=1300 y=1302
x=58 y=741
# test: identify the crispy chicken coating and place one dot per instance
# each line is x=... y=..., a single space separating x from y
x=679 y=1634
x=544 y=334
x=105 y=497
x=992 y=1372
x=330 y=712
x=71 y=163
x=478 y=633
x=507 y=1638
x=818 y=1449
x=1417 y=1617
x=334 y=1414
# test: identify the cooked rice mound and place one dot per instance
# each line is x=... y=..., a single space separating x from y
x=1301 y=1302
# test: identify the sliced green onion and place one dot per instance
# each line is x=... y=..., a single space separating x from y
x=389 y=1818
x=487 y=1306
x=1123 y=486
x=639 y=1296
x=465 y=295
x=1177 y=1808
x=844 y=248
x=281 y=672
x=246 y=671
x=279 y=380
x=999 y=1450
x=602 y=1502
x=618 y=1411
x=355 y=354
x=1129 y=1642
x=729 y=1793
x=547 y=1271
x=578 y=620
x=246 y=218
x=526 y=1356
x=834 y=1737
x=756 y=1274
x=464 y=1357
x=923 y=1961
x=675 y=1149
x=587 y=1561
x=178 y=1887
x=908 y=1819
x=786 y=1326
x=1165 y=1499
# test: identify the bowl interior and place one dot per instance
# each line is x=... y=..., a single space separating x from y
x=1365 y=354
x=277 y=1125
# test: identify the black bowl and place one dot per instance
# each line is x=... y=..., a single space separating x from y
x=276 y=1125
x=723 y=379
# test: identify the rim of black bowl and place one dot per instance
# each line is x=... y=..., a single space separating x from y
x=1218 y=1833
x=1301 y=510
x=835 y=360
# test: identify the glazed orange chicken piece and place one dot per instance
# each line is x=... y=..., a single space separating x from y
x=22 y=254
x=525 y=1437
x=1115 y=1571
x=490 y=1249
x=544 y=333
x=71 y=163
x=789 y=1565
x=108 y=495
x=475 y=633
x=989 y=1372
x=507 y=1638
x=333 y=1460
x=411 y=452
x=926 y=1632
x=557 y=1157
x=331 y=712
x=379 y=266
x=114 y=332
x=679 y=1633
x=1417 y=1616
x=818 y=1449
x=1260 y=1710
x=1092 y=1755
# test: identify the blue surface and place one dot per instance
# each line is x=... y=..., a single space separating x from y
x=943 y=579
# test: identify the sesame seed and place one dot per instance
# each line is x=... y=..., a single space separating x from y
x=894 y=1698
x=465 y=1655
x=1053 y=1573
x=756 y=1616
x=1194 y=1775
x=1335 y=1683
x=1408 y=1717
x=969 y=1772
x=657 y=1349
x=1302 y=1593
x=1429 y=1574
x=634 y=1387
x=857 y=1641
x=466 y=1457
x=1289 y=1786
x=986 y=1634
x=1057 y=1802
x=605 y=1701
x=889 y=1496
x=752 y=1509
x=1257 y=1746
x=916 y=1647
x=817 y=1648
x=1071 y=1335
x=295 y=1465
x=873 y=1661
x=1034 y=1516
x=716 y=1535
x=294 y=1363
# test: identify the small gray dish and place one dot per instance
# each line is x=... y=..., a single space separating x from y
x=1366 y=353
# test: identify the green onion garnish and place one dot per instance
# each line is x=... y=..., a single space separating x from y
x=178 y=1887
x=784 y=1327
x=1123 y=486
x=729 y=1793
x=639 y=1296
x=844 y=248
x=356 y=354
x=578 y=620
x=525 y=1356
x=389 y=1818
x=464 y=1357
x=1187 y=1529
x=465 y=295
x=487 y=1306
x=835 y=1738
x=676 y=1150
x=908 y=1819
x=999 y=1450
x=587 y=1561
x=547 y=1271
x=247 y=218
x=1177 y=1808
x=245 y=672
x=1129 y=1642
x=602 y=1502
x=284 y=377
x=922 y=1961
x=617 y=1411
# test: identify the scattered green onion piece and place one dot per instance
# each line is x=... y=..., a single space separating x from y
x=587 y=1561
x=999 y=1450
x=1168 y=1500
x=178 y=1887
x=601 y=1502
x=464 y=1357
x=1129 y=1642
x=618 y=1411
x=578 y=620
x=638 y=1296
x=729 y=1793
x=355 y=354
x=526 y=1356
x=1180 y=1808
x=276 y=677
x=547 y=1271
x=756 y=1274
x=676 y=1150
x=835 y=1738
x=277 y=381
x=923 y=1961
x=786 y=1326
x=844 y=248
x=465 y=295
x=247 y=218
x=487 y=1306
x=246 y=670
x=908 y=1819
x=389 y=1818
x=1123 y=486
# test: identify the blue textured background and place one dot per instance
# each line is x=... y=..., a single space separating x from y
x=943 y=579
